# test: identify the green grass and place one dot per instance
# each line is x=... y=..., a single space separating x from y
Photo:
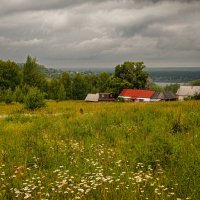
x=78 y=150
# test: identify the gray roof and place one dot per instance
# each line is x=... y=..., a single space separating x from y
x=163 y=95
x=188 y=90
x=92 y=97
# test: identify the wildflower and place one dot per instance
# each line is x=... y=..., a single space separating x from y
x=27 y=196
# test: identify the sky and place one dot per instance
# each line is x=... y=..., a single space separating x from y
x=101 y=33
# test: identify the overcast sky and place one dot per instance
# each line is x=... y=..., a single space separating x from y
x=101 y=33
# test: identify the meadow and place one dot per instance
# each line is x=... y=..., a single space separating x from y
x=78 y=150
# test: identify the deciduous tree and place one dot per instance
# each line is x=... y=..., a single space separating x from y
x=33 y=75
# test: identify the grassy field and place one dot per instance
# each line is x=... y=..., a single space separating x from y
x=78 y=150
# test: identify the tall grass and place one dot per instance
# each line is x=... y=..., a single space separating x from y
x=78 y=150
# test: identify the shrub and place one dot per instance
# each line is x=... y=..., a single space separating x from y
x=196 y=96
x=61 y=93
x=120 y=99
x=34 y=99
x=18 y=95
x=8 y=98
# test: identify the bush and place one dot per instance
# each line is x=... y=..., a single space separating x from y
x=18 y=95
x=8 y=98
x=196 y=96
x=34 y=99
x=61 y=93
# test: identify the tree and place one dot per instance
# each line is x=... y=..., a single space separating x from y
x=10 y=75
x=157 y=88
x=34 y=99
x=61 y=93
x=196 y=96
x=66 y=81
x=195 y=83
x=53 y=87
x=18 y=95
x=102 y=81
x=116 y=85
x=132 y=73
x=79 y=87
x=33 y=74
x=8 y=98
x=91 y=83
x=172 y=87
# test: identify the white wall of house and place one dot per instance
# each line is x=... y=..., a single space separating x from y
x=155 y=100
x=181 y=98
x=143 y=99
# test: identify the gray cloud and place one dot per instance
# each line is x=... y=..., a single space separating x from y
x=101 y=33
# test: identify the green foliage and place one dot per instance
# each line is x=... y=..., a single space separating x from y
x=61 y=93
x=168 y=88
x=34 y=99
x=102 y=81
x=53 y=87
x=131 y=74
x=33 y=74
x=8 y=98
x=116 y=85
x=18 y=95
x=196 y=96
x=195 y=83
x=91 y=83
x=79 y=87
x=65 y=80
x=157 y=88
x=10 y=75
x=172 y=87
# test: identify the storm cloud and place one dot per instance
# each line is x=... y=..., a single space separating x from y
x=94 y=33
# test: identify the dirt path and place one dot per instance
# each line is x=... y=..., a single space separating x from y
x=3 y=116
x=32 y=115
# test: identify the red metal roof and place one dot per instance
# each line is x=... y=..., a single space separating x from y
x=136 y=93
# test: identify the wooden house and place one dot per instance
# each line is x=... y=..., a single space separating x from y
x=100 y=97
x=187 y=91
x=163 y=96
x=106 y=97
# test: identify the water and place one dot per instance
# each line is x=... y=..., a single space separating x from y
x=167 y=83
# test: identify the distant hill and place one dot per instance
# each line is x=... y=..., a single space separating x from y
x=174 y=75
x=167 y=75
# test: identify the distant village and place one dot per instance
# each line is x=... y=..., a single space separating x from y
x=136 y=95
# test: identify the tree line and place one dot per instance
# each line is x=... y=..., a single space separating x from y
x=16 y=81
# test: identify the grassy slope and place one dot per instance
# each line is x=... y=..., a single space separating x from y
x=61 y=152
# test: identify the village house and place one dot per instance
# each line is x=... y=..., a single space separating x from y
x=106 y=97
x=163 y=96
x=100 y=97
x=92 y=97
x=136 y=95
x=146 y=95
x=187 y=91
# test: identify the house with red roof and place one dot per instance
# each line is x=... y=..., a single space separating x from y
x=136 y=95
